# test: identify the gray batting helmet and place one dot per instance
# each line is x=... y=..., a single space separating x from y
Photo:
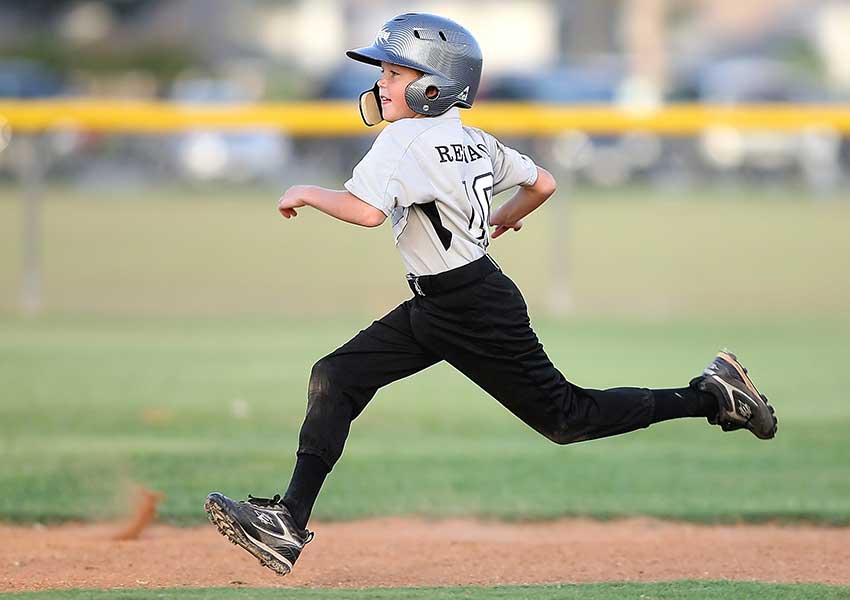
x=445 y=52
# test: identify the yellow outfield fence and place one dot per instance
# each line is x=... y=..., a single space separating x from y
x=325 y=119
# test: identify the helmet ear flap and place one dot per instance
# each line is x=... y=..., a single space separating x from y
x=370 y=106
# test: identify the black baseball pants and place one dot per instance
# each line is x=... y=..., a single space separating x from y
x=482 y=329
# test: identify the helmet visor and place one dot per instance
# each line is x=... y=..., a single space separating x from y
x=373 y=55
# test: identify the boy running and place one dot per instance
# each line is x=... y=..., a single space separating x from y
x=435 y=179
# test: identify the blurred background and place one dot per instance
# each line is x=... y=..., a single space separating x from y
x=630 y=55
x=621 y=52
x=158 y=319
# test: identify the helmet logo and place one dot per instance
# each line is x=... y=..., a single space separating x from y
x=464 y=94
x=383 y=36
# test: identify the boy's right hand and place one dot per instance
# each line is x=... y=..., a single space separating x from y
x=292 y=199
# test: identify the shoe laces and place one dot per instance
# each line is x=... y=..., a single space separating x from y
x=273 y=501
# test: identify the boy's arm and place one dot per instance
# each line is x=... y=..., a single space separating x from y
x=527 y=198
x=340 y=204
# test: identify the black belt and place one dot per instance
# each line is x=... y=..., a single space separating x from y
x=431 y=285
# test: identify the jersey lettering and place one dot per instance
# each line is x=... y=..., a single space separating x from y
x=459 y=153
x=444 y=153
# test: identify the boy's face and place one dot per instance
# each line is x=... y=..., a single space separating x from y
x=394 y=80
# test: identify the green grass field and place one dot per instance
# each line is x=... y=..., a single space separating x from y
x=192 y=406
x=690 y=590
x=179 y=330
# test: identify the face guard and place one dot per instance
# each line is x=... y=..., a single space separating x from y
x=371 y=110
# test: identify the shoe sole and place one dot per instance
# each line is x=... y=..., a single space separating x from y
x=232 y=530
x=742 y=373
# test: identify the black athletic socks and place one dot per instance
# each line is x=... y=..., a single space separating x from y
x=307 y=479
x=683 y=402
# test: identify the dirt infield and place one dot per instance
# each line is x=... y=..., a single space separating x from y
x=417 y=552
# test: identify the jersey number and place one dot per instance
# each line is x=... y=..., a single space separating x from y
x=482 y=192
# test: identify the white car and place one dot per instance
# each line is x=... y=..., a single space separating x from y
x=227 y=155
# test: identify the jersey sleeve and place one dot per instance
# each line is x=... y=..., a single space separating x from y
x=409 y=184
x=389 y=175
x=371 y=176
x=510 y=168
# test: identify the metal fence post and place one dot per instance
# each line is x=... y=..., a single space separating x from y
x=31 y=172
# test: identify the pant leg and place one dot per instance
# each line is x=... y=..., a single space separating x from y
x=483 y=330
x=343 y=382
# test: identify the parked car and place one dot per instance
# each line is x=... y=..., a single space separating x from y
x=603 y=159
x=815 y=152
x=225 y=155
x=21 y=78
x=339 y=155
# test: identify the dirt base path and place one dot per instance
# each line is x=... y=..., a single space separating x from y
x=417 y=552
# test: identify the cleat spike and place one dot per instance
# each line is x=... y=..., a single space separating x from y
x=236 y=522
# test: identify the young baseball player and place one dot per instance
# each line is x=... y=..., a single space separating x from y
x=435 y=179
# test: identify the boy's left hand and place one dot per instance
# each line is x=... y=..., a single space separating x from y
x=293 y=198
x=500 y=229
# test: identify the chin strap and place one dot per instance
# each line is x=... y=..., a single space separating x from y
x=370 y=106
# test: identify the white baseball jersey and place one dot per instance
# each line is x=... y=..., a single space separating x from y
x=435 y=179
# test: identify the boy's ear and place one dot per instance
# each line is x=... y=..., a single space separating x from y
x=370 y=106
